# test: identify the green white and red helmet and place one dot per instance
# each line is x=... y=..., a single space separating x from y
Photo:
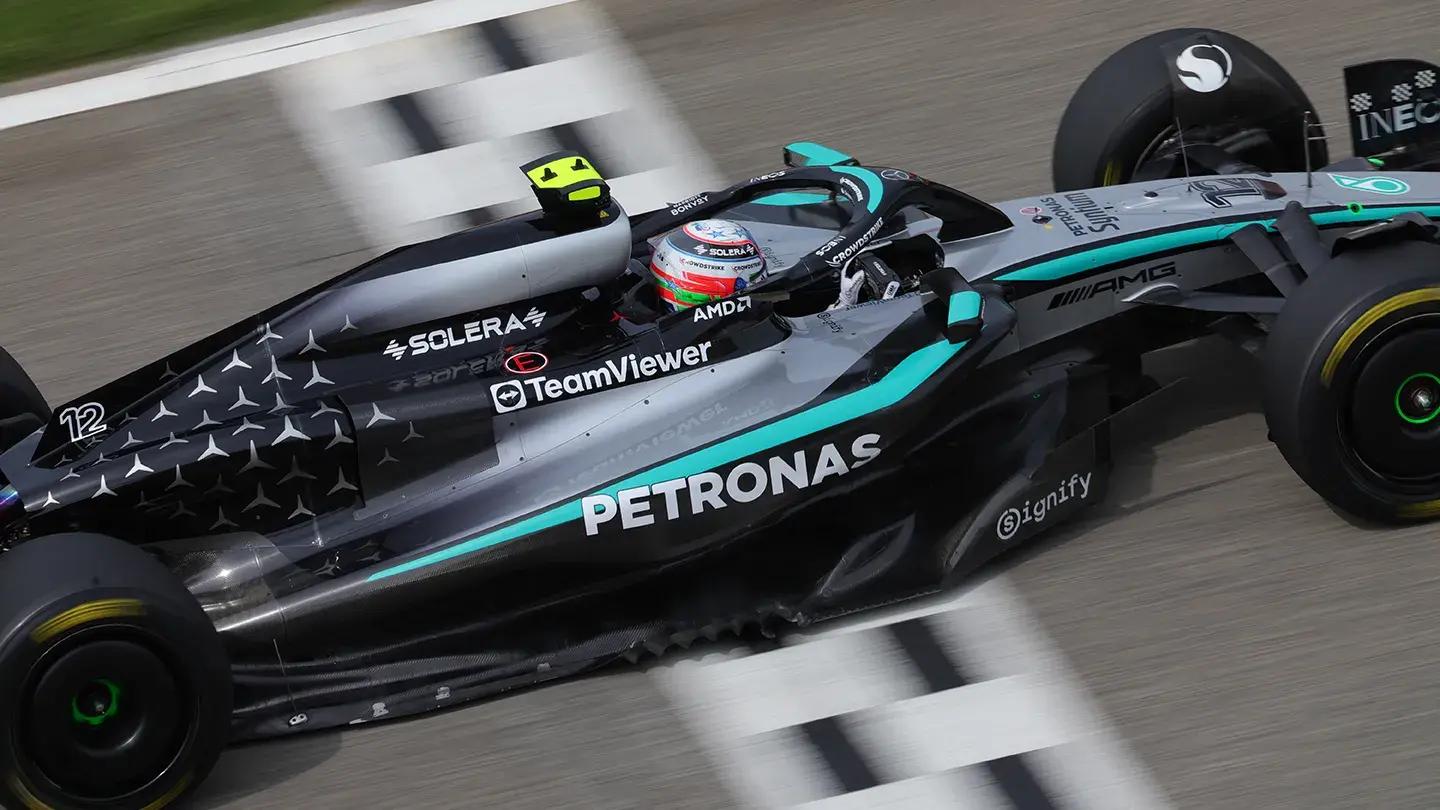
x=704 y=261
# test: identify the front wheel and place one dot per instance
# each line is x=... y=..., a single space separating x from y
x=1119 y=126
x=1352 y=382
x=114 y=685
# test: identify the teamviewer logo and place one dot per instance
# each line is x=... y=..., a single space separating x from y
x=508 y=396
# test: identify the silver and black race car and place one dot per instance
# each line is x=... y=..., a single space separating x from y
x=495 y=459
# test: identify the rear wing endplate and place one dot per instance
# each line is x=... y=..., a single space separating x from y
x=1394 y=111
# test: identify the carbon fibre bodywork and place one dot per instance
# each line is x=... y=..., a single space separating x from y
x=466 y=467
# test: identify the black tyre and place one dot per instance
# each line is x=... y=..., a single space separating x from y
x=22 y=407
x=1352 y=382
x=1123 y=115
x=114 y=686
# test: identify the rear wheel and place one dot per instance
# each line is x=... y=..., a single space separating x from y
x=1121 y=120
x=1352 y=382
x=22 y=407
x=114 y=685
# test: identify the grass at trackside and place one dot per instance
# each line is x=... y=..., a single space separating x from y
x=38 y=36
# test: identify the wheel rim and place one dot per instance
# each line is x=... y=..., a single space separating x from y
x=1394 y=413
x=104 y=719
x=1152 y=151
x=97 y=703
x=1246 y=143
x=1417 y=399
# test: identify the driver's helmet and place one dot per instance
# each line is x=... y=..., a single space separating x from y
x=703 y=261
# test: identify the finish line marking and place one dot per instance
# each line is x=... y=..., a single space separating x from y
x=234 y=60
x=421 y=137
x=957 y=700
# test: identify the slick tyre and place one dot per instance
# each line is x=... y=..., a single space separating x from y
x=114 y=686
x=1352 y=382
x=1123 y=114
x=22 y=408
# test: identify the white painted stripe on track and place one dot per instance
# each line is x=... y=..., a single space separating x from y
x=550 y=93
x=937 y=791
x=490 y=120
x=467 y=176
x=755 y=694
x=355 y=150
x=219 y=63
x=1019 y=698
x=483 y=174
x=1099 y=766
x=966 y=725
x=369 y=74
x=766 y=771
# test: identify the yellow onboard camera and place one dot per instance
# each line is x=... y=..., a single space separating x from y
x=568 y=186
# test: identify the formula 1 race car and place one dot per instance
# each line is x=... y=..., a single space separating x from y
x=495 y=458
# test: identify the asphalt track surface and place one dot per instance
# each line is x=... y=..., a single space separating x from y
x=1255 y=649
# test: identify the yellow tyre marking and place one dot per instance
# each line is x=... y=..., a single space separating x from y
x=1375 y=313
x=32 y=802
x=22 y=792
x=1424 y=509
x=1112 y=174
x=172 y=795
x=86 y=613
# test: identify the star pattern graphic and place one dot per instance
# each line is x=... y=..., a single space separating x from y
x=296 y=472
x=295 y=460
x=104 y=489
x=222 y=522
x=210 y=452
x=242 y=401
x=311 y=345
x=235 y=362
x=219 y=486
x=138 y=467
x=341 y=561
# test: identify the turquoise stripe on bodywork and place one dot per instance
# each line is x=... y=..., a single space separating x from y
x=793 y=198
x=907 y=375
x=964 y=306
x=1081 y=261
x=1372 y=214
x=1119 y=252
x=873 y=186
x=817 y=154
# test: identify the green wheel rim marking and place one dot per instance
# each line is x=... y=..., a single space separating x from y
x=1433 y=413
x=111 y=709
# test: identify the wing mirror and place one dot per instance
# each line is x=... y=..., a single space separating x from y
x=806 y=153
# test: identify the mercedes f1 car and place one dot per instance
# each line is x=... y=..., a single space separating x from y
x=493 y=459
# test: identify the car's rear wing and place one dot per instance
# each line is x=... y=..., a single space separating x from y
x=1394 y=111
